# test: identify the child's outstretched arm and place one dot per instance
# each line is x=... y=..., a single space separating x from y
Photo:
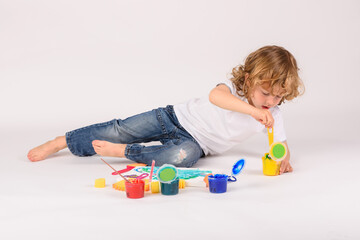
x=222 y=97
x=285 y=164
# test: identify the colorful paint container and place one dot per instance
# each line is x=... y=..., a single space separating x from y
x=135 y=188
x=170 y=188
x=218 y=183
x=270 y=167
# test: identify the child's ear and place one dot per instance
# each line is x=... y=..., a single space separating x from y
x=247 y=82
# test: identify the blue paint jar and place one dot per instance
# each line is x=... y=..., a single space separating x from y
x=218 y=183
x=171 y=188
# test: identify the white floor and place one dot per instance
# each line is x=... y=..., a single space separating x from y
x=55 y=198
x=66 y=64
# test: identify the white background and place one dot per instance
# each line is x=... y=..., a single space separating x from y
x=66 y=64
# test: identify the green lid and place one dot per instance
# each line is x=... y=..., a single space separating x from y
x=278 y=151
x=167 y=173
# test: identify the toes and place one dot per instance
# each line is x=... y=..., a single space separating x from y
x=34 y=158
x=97 y=149
x=30 y=156
x=98 y=143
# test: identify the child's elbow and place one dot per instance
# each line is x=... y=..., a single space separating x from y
x=212 y=96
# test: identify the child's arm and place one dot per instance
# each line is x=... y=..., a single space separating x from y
x=285 y=165
x=222 y=97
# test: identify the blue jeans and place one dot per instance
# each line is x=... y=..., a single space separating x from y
x=177 y=147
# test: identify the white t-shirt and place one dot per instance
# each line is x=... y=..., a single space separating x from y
x=217 y=129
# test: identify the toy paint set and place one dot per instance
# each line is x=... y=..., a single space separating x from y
x=168 y=179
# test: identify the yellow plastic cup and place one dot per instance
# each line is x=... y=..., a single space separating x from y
x=270 y=167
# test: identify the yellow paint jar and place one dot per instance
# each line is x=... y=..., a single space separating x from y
x=270 y=167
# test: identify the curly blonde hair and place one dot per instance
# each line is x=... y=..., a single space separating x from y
x=271 y=65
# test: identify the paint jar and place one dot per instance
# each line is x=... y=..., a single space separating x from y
x=270 y=167
x=171 y=188
x=218 y=183
x=135 y=188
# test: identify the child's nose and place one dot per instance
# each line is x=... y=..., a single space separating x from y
x=270 y=101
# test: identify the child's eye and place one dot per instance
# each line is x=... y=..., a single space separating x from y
x=266 y=94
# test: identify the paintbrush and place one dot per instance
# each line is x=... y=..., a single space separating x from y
x=151 y=172
x=116 y=171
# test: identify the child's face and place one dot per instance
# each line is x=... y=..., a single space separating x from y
x=261 y=96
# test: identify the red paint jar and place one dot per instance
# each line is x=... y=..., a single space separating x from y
x=135 y=188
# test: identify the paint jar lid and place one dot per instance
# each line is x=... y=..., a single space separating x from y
x=167 y=173
x=238 y=166
x=236 y=169
x=278 y=151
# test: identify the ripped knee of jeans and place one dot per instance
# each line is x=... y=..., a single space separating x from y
x=183 y=159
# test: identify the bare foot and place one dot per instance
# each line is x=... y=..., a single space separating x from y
x=109 y=149
x=43 y=151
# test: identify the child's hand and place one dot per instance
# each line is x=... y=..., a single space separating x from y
x=285 y=167
x=263 y=116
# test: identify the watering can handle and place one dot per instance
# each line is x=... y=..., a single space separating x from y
x=270 y=135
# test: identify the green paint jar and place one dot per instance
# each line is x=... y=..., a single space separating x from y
x=171 y=188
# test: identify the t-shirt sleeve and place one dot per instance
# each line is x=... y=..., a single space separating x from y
x=229 y=84
x=279 y=129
